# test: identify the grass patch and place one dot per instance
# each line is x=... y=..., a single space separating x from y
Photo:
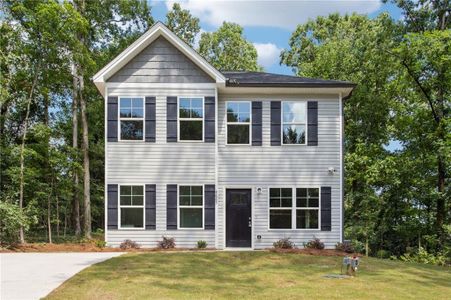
x=251 y=275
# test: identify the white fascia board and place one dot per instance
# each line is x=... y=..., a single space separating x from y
x=147 y=38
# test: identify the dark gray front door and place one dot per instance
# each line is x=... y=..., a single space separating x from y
x=238 y=218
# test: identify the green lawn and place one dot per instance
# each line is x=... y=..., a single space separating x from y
x=251 y=275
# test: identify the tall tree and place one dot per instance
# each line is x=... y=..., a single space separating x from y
x=227 y=49
x=182 y=23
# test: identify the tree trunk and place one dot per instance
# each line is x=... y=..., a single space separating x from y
x=86 y=175
x=57 y=217
x=49 y=220
x=22 y=150
x=76 y=198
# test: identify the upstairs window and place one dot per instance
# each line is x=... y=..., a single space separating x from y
x=191 y=119
x=191 y=206
x=131 y=118
x=238 y=122
x=131 y=206
x=294 y=118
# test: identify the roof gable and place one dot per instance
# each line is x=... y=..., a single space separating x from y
x=157 y=30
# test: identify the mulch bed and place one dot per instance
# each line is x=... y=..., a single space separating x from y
x=317 y=252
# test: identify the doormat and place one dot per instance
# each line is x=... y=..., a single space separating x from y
x=337 y=276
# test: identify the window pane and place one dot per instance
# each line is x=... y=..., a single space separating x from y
x=274 y=192
x=286 y=202
x=313 y=193
x=274 y=202
x=287 y=192
x=302 y=200
x=137 y=103
x=196 y=103
x=137 y=200
x=132 y=217
x=126 y=103
x=232 y=117
x=126 y=190
x=137 y=113
x=294 y=112
x=184 y=200
x=238 y=134
x=239 y=199
x=244 y=107
x=280 y=218
x=306 y=219
x=294 y=134
x=232 y=107
x=302 y=192
x=184 y=103
x=196 y=200
x=244 y=117
x=197 y=113
x=131 y=130
x=126 y=200
x=191 y=217
x=137 y=190
x=196 y=190
x=126 y=113
x=191 y=130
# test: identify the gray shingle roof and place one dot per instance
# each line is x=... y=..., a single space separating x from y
x=261 y=79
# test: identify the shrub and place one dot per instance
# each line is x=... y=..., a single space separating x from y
x=424 y=257
x=11 y=219
x=358 y=246
x=166 y=243
x=129 y=244
x=201 y=244
x=314 y=244
x=383 y=254
x=100 y=243
x=345 y=247
x=284 y=243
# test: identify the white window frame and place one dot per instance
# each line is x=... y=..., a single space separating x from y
x=190 y=206
x=290 y=123
x=131 y=119
x=293 y=208
x=143 y=206
x=308 y=208
x=190 y=119
x=238 y=123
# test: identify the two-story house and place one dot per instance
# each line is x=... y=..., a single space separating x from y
x=238 y=159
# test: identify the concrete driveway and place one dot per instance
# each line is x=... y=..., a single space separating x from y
x=35 y=275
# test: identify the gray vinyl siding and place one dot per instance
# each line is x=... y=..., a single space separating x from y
x=160 y=163
x=161 y=62
x=281 y=166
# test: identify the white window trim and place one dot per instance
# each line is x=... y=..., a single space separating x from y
x=238 y=123
x=190 y=119
x=282 y=123
x=190 y=206
x=294 y=208
x=143 y=206
x=143 y=119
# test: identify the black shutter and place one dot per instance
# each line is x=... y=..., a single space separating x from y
x=112 y=122
x=312 y=123
x=151 y=198
x=171 y=206
x=326 y=209
x=150 y=119
x=209 y=206
x=209 y=119
x=256 y=123
x=171 y=119
x=275 y=123
x=112 y=194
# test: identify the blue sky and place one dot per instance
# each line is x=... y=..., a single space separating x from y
x=269 y=24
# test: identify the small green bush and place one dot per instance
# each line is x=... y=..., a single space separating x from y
x=284 y=243
x=11 y=219
x=383 y=254
x=424 y=257
x=201 y=244
x=100 y=243
x=314 y=244
x=358 y=246
x=345 y=247
x=129 y=244
x=166 y=243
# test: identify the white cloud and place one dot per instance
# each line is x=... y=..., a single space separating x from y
x=268 y=54
x=283 y=14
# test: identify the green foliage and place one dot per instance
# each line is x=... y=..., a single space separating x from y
x=182 y=23
x=345 y=247
x=383 y=254
x=424 y=257
x=227 y=49
x=100 y=243
x=201 y=244
x=284 y=243
x=314 y=244
x=11 y=218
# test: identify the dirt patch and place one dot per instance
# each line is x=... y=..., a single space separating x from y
x=83 y=247
x=317 y=252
